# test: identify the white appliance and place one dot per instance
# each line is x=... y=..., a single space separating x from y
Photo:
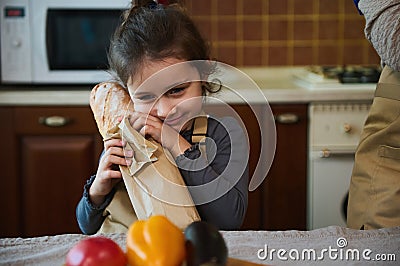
x=62 y=41
x=334 y=134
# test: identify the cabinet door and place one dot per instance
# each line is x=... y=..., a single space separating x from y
x=284 y=195
x=253 y=219
x=53 y=170
x=9 y=196
x=55 y=159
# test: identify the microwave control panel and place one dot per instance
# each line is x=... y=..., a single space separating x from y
x=15 y=41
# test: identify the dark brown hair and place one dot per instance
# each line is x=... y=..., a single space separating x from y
x=155 y=31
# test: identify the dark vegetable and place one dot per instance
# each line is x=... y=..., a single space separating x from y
x=205 y=245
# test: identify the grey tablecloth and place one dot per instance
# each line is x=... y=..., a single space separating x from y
x=328 y=246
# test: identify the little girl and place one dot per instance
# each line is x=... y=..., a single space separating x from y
x=152 y=39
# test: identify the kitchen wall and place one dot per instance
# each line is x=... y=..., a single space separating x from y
x=283 y=32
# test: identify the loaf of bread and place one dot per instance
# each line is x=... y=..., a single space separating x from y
x=108 y=102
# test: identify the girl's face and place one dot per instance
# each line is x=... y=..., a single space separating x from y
x=174 y=95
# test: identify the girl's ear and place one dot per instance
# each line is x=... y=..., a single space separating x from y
x=204 y=88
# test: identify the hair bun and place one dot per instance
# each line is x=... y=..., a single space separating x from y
x=154 y=3
x=143 y=3
x=163 y=2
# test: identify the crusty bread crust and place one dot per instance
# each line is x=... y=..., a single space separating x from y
x=109 y=101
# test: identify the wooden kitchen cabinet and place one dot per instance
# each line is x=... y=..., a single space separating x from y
x=285 y=189
x=9 y=196
x=45 y=167
x=50 y=152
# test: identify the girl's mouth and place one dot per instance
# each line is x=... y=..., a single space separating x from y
x=173 y=121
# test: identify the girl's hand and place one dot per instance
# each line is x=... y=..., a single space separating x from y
x=108 y=173
x=167 y=136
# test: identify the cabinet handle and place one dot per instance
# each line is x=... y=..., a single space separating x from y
x=326 y=153
x=54 y=121
x=287 y=118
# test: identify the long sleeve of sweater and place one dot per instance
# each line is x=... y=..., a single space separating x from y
x=218 y=180
x=89 y=216
x=382 y=29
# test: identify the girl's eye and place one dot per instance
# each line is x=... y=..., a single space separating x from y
x=177 y=90
x=145 y=97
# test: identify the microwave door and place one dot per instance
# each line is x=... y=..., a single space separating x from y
x=79 y=39
x=72 y=43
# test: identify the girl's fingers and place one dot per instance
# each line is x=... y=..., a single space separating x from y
x=128 y=152
x=147 y=132
x=109 y=174
x=113 y=174
x=151 y=131
x=117 y=151
x=145 y=116
x=113 y=143
x=117 y=160
x=118 y=147
x=143 y=131
x=109 y=161
x=138 y=120
x=151 y=126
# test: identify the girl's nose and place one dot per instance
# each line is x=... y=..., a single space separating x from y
x=164 y=107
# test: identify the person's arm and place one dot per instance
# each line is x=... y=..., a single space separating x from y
x=223 y=202
x=99 y=190
x=383 y=29
x=89 y=216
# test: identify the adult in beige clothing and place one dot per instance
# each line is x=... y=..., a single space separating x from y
x=374 y=197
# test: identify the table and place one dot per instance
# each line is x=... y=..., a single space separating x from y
x=326 y=246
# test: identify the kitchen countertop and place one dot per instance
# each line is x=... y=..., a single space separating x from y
x=272 y=84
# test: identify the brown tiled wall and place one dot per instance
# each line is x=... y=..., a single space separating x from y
x=283 y=32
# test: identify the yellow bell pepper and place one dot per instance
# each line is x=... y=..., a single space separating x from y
x=155 y=242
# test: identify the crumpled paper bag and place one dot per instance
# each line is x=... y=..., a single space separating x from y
x=154 y=184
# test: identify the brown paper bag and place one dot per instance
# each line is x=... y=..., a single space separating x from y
x=119 y=213
x=153 y=183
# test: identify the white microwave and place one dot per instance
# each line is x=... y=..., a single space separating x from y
x=57 y=41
